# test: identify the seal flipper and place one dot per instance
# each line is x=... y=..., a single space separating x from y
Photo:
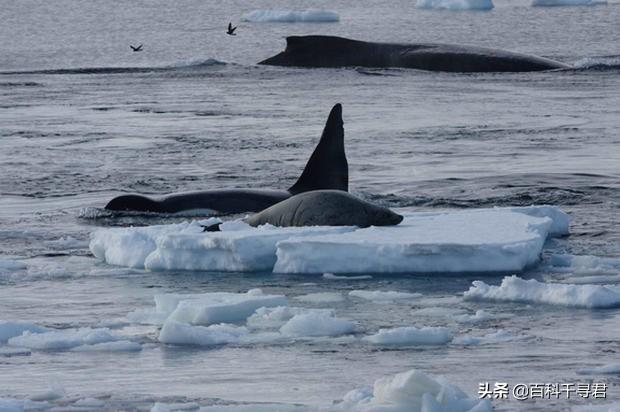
x=327 y=167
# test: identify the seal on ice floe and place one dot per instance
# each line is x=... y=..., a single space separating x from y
x=325 y=208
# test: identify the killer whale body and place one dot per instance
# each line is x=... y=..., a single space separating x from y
x=327 y=168
x=331 y=51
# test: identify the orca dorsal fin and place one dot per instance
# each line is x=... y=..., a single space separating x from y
x=327 y=167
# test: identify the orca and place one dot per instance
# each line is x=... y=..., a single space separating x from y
x=327 y=168
x=331 y=51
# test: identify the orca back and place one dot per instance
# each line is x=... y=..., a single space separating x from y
x=327 y=167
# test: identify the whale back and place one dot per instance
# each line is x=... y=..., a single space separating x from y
x=327 y=167
x=331 y=51
x=328 y=51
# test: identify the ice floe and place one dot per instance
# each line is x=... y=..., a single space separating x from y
x=321 y=297
x=184 y=246
x=10 y=329
x=499 y=336
x=479 y=316
x=609 y=369
x=52 y=393
x=585 y=268
x=410 y=335
x=312 y=324
x=383 y=296
x=65 y=339
x=455 y=4
x=21 y=405
x=207 y=308
x=291 y=16
x=276 y=317
x=412 y=391
x=174 y=332
x=515 y=289
x=10 y=265
x=483 y=240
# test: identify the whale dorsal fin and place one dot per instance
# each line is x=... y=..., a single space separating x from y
x=327 y=167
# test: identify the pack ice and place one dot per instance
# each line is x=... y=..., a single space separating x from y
x=481 y=240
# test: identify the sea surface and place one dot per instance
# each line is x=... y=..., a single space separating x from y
x=83 y=119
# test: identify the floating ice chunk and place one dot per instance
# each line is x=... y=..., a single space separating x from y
x=10 y=329
x=479 y=316
x=51 y=394
x=553 y=3
x=331 y=276
x=412 y=391
x=586 y=269
x=482 y=240
x=64 y=339
x=218 y=307
x=257 y=407
x=291 y=16
x=117 y=346
x=21 y=405
x=410 y=335
x=499 y=336
x=383 y=296
x=455 y=4
x=179 y=333
x=516 y=289
x=610 y=369
x=67 y=242
x=272 y=318
x=9 y=265
x=9 y=351
x=89 y=403
x=321 y=297
x=313 y=324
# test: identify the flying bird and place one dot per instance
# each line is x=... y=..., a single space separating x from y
x=136 y=49
x=231 y=29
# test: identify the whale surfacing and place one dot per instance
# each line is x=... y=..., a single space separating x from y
x=325 y=208
x=327 y=168
x=331 y=51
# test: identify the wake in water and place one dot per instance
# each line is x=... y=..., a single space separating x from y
x=194 y=64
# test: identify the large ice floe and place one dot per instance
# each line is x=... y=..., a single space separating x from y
x=482 y=240
x=455 y=4
x=291 y=16
x=412 y=391
x=515 y=289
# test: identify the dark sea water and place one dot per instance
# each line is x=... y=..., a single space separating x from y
x=82 y=119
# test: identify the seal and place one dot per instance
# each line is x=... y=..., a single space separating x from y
x=325 y=208
x=327 y=168
x=330 y=51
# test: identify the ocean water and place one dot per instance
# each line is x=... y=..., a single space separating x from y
x=82 y=119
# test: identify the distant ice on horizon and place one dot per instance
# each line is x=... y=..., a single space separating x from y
x=455 y=4
x=554 y=3
x=291 y=16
